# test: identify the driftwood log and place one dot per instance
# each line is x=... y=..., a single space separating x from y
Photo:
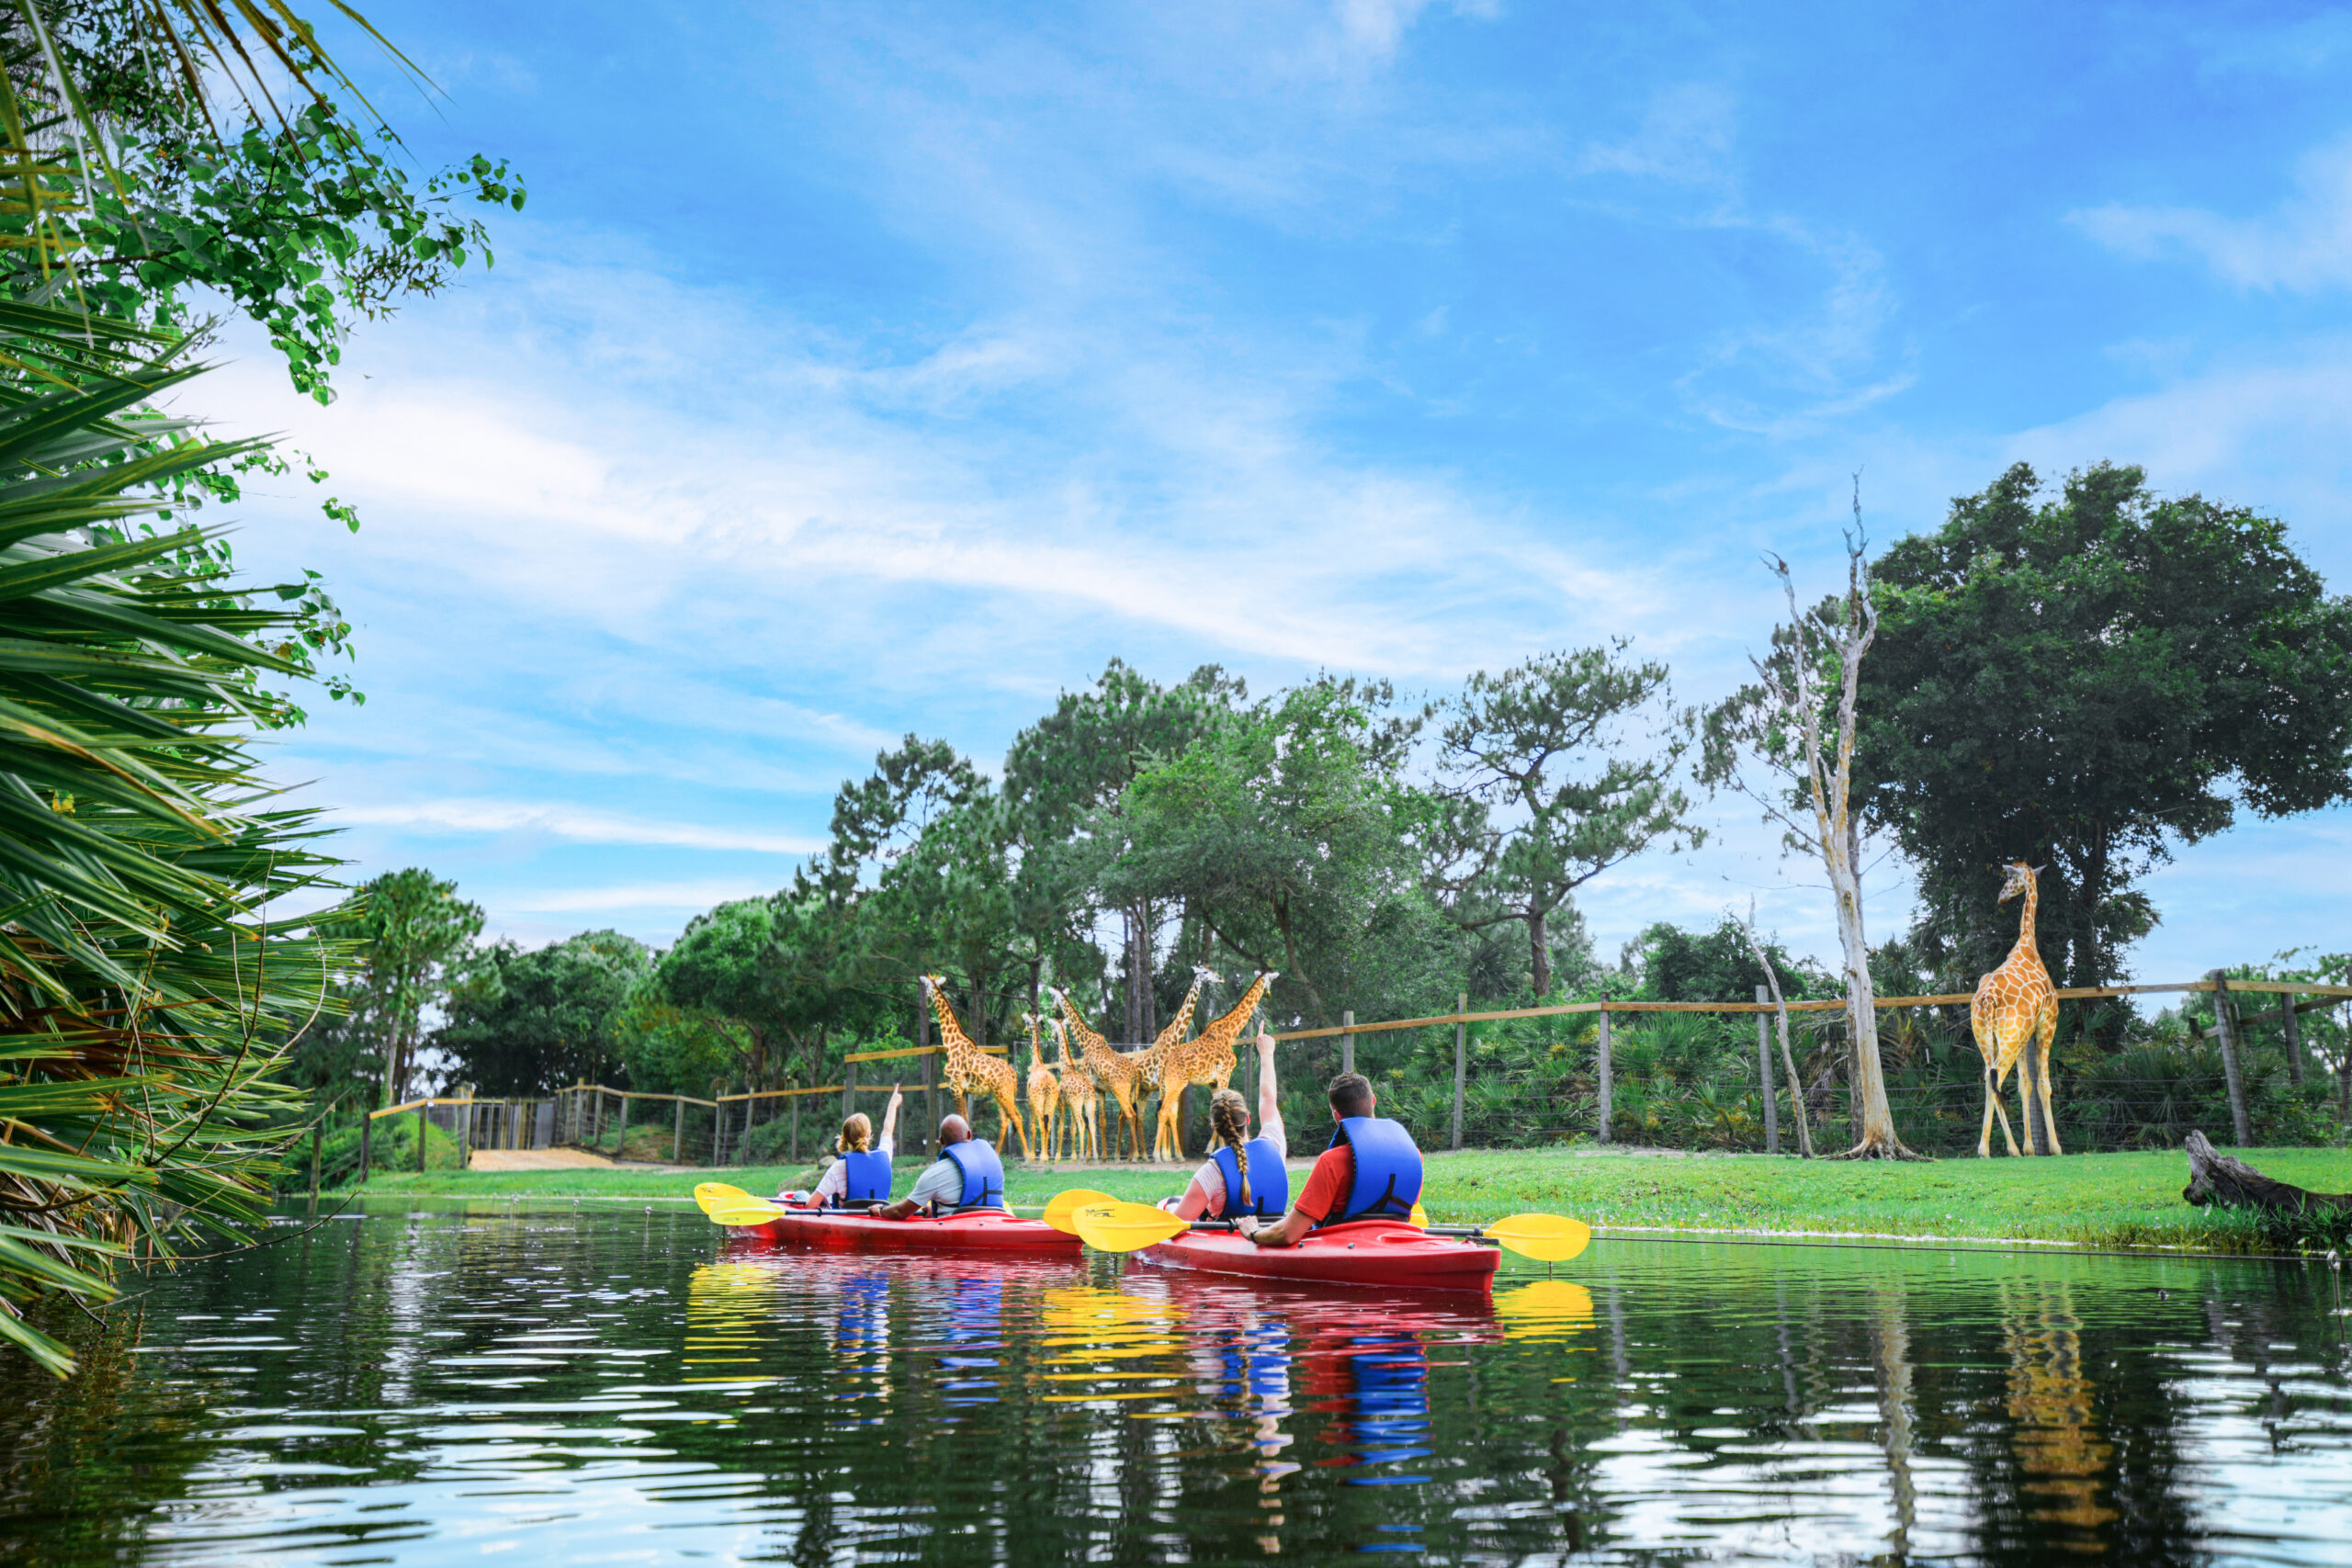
x=2217 y=1178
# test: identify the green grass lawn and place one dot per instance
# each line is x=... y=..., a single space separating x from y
x=2117 y=1200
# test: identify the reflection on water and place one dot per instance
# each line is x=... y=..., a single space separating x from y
x=602 y=1386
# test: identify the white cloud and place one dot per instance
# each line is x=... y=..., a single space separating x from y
x=576 y=823
x=2305 y=246
x=665 y=896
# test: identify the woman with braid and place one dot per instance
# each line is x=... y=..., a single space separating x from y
x=1242 y=1174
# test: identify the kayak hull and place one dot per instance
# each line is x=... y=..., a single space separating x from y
x=981 y=1231
x=1368 y=1252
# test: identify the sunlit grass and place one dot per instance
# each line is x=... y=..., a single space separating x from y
x=2107 y=1200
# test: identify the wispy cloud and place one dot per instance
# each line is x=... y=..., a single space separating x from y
x=576 y=823
x=659 y=897
x=2303 y=245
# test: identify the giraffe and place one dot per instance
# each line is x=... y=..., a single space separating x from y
x=1045 y=1093
x=1112 y=1072
x=1207 y=1062
x=1078 y=1099
x=1151 y=1060
x=969 y=1067
x=2014 y=1014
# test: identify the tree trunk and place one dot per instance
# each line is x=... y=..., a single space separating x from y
x=2217 y=1178
x=1540 y=954
x=1877 y=1139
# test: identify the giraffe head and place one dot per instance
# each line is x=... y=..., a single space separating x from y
x=2020 y=879
x=1202 y=971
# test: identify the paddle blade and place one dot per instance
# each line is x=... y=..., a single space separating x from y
x=1420 y=1217
x=710 y=1195
x=754 y=1213
x=1125 y=1227
x=1058 y=1211
x=1547 y=1239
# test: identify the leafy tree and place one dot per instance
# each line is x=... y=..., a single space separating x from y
x=2087 y=679
x=1287 y=826
x=172 y=174
x=1718 y=965
x=1509 y=742
x=1066 y=775
x=412 y=930
x=529 y=1022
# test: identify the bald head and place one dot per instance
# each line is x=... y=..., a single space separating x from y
x=954 y=1129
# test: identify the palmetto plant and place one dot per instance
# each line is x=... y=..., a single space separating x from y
x=146 y=987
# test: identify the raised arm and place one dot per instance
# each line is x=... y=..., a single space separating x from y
x=890 y=1118
x=1269 y=1103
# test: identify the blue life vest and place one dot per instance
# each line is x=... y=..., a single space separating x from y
x=1269 y=1183
x=983 y=1174
x=868 y=1177
x=1388 y=1169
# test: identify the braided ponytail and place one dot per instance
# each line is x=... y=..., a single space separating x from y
x=1229 y=1126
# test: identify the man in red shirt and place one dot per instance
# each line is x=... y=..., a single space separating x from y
x=1371 y=1170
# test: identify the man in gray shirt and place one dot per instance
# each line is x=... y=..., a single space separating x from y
x=966 y=1174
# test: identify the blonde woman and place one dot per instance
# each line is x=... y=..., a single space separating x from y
x=1242 y=1174
x=862 y=1175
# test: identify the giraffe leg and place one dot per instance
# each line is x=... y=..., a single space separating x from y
x=2003 y=1111
x=1992 y=1097
x=1176 y=1121
x=1009 y=1115
x=2048 y=1030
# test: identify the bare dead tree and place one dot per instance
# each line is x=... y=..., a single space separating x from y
x=1783 y=724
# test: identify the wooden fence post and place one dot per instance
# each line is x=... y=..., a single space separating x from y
x=678 y=1138
x=1347 y=1045
x=2226 y=1030
x=849 y=1089
x=1764 y=1076
x=366 y=1133
x=1461 y=1059
x=796 y=1129
x=2294 y=1041
x=422 y=1109
x=1607 y=1088
x=922 y=1140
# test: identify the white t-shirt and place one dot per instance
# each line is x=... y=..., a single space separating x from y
x=835 y=1181
x=1211 y=1181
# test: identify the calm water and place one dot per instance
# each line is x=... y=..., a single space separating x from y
x=595 y=1385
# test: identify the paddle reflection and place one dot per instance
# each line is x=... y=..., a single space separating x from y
x=729 y=1307
x=1094 y=1337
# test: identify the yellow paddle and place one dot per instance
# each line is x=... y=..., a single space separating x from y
x=1058 y=1213
x=1547 y=1239
x=1418 y=1218
x=1112 y=1226
x=710 y=1195
x=749 y=1212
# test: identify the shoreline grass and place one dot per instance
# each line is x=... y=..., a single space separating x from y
x=2124 y=1202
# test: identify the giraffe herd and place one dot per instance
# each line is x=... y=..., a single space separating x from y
x=1065 y=1097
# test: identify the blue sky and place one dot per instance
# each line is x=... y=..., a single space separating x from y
x=864 y=369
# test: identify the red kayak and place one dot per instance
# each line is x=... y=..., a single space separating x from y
x=975 y=1230
x=1363 y=1252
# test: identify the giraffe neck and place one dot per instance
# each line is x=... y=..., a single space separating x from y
x=1183 y=1019
x=951 y=1033
x=2025 y=918
x=1232 y=1021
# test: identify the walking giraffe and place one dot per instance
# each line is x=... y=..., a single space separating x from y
x=1114 y=1074
x=2014 y=1014
x=1207 y=1062
x=1045 y=1093
x=969 y=1067
x=1078 y=1100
